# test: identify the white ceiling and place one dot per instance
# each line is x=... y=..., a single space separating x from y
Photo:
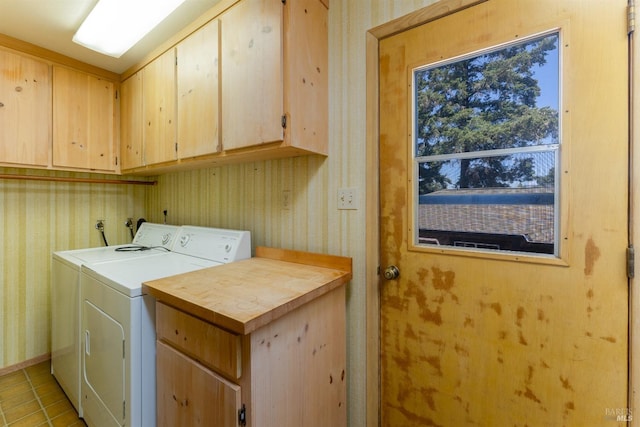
x=52 y=23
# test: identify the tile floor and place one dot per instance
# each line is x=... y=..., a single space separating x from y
x=31 y=397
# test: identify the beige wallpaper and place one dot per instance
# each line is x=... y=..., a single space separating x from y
x=37 y=218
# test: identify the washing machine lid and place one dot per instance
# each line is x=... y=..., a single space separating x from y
x=127 y=276
x=151 y=239
x=104 y=254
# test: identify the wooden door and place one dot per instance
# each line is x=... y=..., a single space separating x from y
x=25 y=110
x=198 y=92
x=252 y=74
x=83 y=120
x=501 y=337
x=131 y=122
x=159 y=109
x=189 y=394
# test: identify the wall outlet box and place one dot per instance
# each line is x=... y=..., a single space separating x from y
x=348 y=198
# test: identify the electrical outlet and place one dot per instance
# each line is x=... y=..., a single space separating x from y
x=286 y=199
x=348 y=198
x=100 y=224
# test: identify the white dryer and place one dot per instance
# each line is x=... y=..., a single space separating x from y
x=118 y=324
x=151 y=239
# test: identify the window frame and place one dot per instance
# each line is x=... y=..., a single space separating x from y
x=559 y=255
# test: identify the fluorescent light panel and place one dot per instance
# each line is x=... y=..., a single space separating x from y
x=114 y=26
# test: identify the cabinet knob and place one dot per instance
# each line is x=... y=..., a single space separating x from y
x=18 y=88
x=1 y=104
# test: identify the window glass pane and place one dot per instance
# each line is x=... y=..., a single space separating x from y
x=502 y=99
x=515 y=211
x=486 y=146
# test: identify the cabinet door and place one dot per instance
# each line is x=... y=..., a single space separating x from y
x=252 y=73
x=83 y=120
x=131 y=122
x=25 y=110
x=188 y=394
x=159 y=109
x=198 y=87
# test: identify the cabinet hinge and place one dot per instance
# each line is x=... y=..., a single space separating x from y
x=116 y=160
x=631 y=17
x=242 y=415
x=631 y=262
x=124 y=409
x=283 y=121
x=176 y=147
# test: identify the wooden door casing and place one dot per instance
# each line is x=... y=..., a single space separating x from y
x=477 y=339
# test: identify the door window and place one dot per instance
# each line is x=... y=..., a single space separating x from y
x=486 y=149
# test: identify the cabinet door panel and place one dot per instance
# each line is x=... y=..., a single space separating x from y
x=131 y=121
x=252 y=73
x=198 y=87
x=83 y=120
x=159 y=109
x=25 y=110
x=188 y=394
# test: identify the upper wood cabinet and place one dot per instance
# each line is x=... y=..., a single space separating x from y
x=252 y=85
x=159 y=109
x=198 y=81
x=274 y=75
x=131 y=147
x=83 y=121
x=25 y=110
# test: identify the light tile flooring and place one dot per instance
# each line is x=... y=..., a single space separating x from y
x=31 y=397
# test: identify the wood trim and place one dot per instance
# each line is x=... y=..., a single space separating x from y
x=372 y=237
x=634 y=232
x=430 y=13
x=54 y=57
x=27 y=363
x=307 y=258
x=372 y=257
x=76 y=180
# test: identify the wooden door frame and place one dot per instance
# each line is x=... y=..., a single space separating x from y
x=372 y=205
x=634 y=218
x=372 y=256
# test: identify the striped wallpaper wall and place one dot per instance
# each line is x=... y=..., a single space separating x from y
x=38 y=218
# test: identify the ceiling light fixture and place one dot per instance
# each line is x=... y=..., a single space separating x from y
x=114 y=26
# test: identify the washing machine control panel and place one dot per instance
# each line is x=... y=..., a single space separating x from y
x=154 y=235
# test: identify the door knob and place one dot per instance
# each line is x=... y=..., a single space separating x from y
x=391 y=272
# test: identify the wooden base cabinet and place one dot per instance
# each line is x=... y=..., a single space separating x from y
x=189 y=394
x=289 y=372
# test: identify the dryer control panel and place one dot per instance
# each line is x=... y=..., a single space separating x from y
x=213 y=244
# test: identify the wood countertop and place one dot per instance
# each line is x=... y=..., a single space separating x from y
x=245 y=295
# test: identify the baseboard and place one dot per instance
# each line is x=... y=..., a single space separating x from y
x=25 y=364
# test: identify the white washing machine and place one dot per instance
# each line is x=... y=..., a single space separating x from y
x=118 y=324
x=151 y=239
